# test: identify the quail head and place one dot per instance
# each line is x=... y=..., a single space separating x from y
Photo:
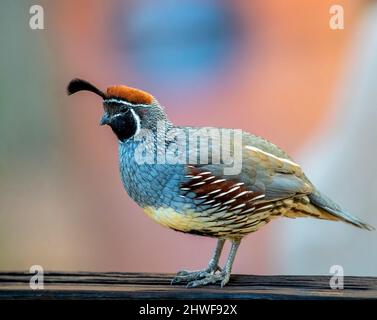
x=227 y=187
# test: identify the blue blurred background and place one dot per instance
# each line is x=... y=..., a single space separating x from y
x=272 y=68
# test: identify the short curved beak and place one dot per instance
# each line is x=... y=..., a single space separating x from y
x=105 y=119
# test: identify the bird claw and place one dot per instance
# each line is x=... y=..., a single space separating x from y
x=222 y=277
x=182 y=273
x=185 y=276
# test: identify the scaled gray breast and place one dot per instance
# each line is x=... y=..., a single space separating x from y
x=152 y=184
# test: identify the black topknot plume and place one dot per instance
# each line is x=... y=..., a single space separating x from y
x=77 y=85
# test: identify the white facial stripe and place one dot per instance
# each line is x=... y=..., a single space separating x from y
x=272 y=156
x=116 y=115
x=137 y=119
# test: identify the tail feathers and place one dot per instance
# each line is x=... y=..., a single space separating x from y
x=334 y=211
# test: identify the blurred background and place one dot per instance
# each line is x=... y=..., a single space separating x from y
x=273 y=68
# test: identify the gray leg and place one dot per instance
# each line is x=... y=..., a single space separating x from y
x=214 y=262
x=213 y=266
x=224 y=275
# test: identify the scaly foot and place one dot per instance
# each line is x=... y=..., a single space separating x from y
x=222 y=277
x=185 y=276
x=210 y=275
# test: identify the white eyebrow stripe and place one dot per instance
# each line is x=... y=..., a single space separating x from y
x=118 y=101
x=125 y=103
x=272 y=156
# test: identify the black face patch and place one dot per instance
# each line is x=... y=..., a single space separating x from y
x=123 y=124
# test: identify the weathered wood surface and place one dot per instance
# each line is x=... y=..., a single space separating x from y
x=114 y=285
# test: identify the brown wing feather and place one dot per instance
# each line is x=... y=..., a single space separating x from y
x=221 y=193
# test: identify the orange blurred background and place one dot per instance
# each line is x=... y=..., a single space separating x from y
x=272 y=68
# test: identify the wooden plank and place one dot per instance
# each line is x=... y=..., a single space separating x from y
x=116 y=285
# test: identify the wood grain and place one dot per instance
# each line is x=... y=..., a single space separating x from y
x=116 y=285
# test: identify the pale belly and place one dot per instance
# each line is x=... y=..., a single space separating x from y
x=168 y=217
x=212 y=225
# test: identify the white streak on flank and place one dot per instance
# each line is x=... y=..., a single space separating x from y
x=196 y=177
x=208 y=202
x=265 y=207
x=209 y=178
x=182 y=196
x=239 y=184
x=272 y=156
x=185 y=189
x=224 y=193
x=204 y=173
x=216 y=205
x=190 y=166
x=220 y=195
x=233 y=189
x=218 y=181
x=229 y=201
x=249 y=210
x=240 y=194
x=203 y=197
x=215 y=191
x=198 y=184
x=239 y=206
x=229 y=191
x=188 y=176
x=221 y=209
x=137 y=119
x=258 y=197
